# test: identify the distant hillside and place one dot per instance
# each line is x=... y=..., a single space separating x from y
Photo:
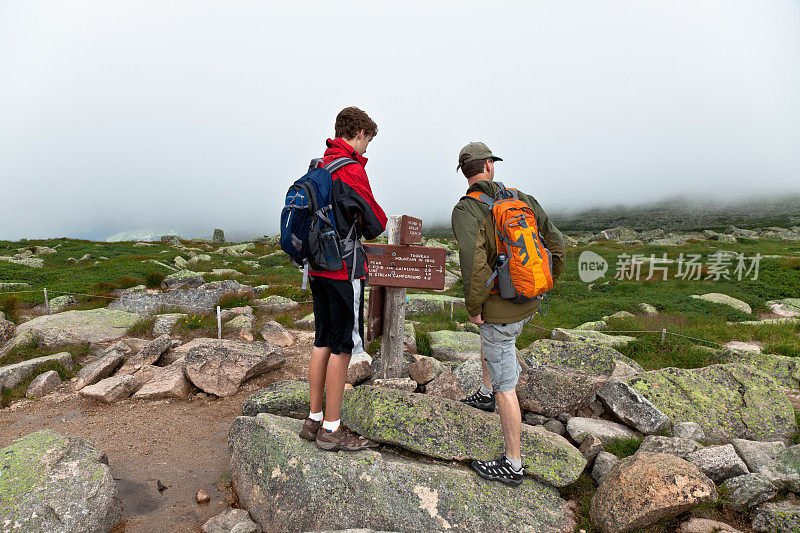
x=673 y=215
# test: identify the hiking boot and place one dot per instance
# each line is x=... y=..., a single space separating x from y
x=481 y=401
x=310 y=429
x=499 y=470
x=343 y=439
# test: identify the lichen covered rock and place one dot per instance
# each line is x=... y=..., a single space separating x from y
x=455 y=345
x=284 y=398
x=287 y=485
x=50 y=482
x=586 y=357
x=642 y=489
x=447 y=429
x=728 y=401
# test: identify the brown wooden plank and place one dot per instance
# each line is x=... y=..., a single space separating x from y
x=417 y=267
x=410 y=230
x=375 y=313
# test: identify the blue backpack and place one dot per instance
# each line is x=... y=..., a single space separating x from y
x=308 y=227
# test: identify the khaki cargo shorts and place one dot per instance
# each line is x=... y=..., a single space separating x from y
x=498 y=342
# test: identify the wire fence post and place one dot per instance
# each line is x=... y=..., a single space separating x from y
x=219 y=323
x=46 y=301
x=451 y=309
x=663 y=335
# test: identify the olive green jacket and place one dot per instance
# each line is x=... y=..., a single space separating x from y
x=473 y=228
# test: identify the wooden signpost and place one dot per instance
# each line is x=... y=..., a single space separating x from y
x=394 y=267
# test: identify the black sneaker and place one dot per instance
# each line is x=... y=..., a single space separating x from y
x=480 y=401
x=499 y=470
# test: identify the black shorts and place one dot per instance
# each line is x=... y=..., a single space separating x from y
x=338 y=314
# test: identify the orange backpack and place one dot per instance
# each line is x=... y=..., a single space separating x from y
x=523 y=270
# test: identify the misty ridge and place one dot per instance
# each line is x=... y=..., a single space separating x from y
x=671 y=214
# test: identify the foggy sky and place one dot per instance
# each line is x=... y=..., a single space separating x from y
x=191 y=115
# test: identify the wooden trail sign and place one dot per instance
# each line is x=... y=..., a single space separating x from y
x=394 y=267
x=416 y=267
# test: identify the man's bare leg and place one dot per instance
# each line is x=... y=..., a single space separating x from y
x=334 y=385
x=317 y=371
x=511 y=420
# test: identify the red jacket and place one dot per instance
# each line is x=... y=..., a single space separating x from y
x=353 y=203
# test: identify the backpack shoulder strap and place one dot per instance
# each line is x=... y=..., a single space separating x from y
x=482 y=197
x=316 y=162
x=336 y=164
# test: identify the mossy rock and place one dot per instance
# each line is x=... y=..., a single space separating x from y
x=450 y=430
x=728 y=401
x=784 y=369
x=51 y=482
x=426 y=304
x=586 y=357
x=457 y=346
x=288 y=485
x=284 y=398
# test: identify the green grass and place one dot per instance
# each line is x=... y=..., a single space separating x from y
x=582 y=491
x=235 y=299
x=142 y=327
x=423 y=342
x=12 y=395
x=286 y=321
x=33 y=348
x=623 y=447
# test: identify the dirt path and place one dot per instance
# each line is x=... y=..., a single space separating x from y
x=182 y=443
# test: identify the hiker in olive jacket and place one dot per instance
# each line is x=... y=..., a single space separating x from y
x=474 y=229
x=500 y=321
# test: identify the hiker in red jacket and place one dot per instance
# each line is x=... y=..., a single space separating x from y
x=339 y=295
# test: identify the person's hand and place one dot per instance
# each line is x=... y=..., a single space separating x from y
x=477 y=320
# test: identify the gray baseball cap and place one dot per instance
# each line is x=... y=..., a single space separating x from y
x=475 y=150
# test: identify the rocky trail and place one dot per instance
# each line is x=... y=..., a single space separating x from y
x=181 y=443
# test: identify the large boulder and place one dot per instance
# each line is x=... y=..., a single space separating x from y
x=728 y=401
x=12 y=376
x=220 y=366
x=289 y=398
x=182 y=279
x=642 y=489
x=718 y=462
x=469 y=375
x=148 y=355
x=588 y=358
x=277 y=334
x=203 y=298
x=724 y=299
x=633 y=409
x=52 y=482
x=276 y=304
x=428 y=304
x=447 y=429
x=43 y=384
x=74 y=327
x=456 y=346
x=551 y=391
x=7 y=329
x=287 y=485
x=784 y=369
x=777 y=517
x=579 y=428
x=167 y=382
x=589 y=336
x=748 y=490
x=100 y=368
x=111 y=389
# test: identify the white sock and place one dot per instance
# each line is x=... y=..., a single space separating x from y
x=516 y=464
x=330 y=426
x=316 y=417
x=486 y=391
